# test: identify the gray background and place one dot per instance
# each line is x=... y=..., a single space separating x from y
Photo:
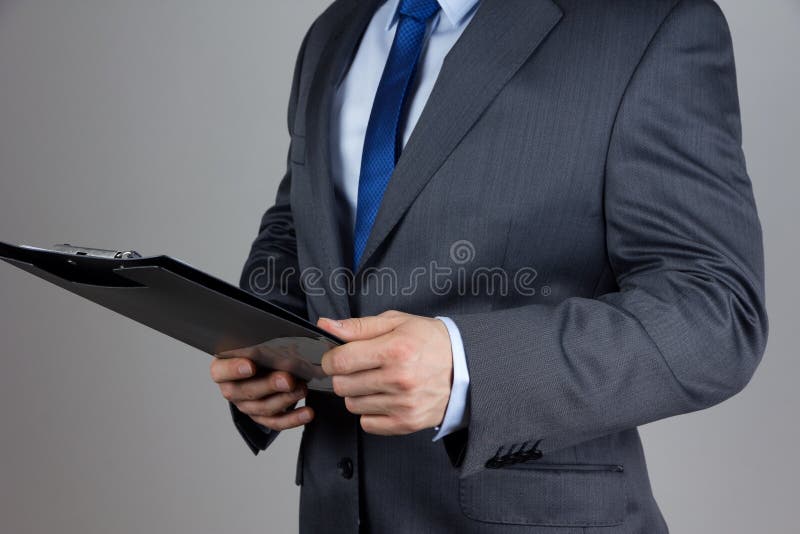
x=161 y=126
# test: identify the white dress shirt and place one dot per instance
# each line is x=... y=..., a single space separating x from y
x=352 y=106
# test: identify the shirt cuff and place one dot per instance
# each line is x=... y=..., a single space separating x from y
x=456 y=416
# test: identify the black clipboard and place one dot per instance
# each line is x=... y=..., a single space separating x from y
x=186 y=304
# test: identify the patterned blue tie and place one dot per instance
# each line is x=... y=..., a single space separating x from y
x=383 y=141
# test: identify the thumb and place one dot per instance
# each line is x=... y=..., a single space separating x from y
x=360 y=328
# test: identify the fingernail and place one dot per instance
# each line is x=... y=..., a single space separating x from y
x=337 y=324
x=304 y=417
x=244 y=370
x=282 y=384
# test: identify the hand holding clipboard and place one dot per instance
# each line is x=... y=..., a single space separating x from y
x=186 y=304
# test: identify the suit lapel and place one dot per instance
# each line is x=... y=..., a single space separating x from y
x=333 y=62
x=497 y=42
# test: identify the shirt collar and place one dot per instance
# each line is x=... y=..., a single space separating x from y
x=454 y=10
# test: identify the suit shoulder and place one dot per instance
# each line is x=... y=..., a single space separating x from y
x=700 y=14
x=651 y=11
x=336 y=11
x=321 y=29
x=621 y=11
x=634 y=23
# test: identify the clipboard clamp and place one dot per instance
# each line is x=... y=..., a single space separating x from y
x=95 y=252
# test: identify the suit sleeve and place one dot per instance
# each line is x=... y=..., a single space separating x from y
x=274 y=252
x=687 y=326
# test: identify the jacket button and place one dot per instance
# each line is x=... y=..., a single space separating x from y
x=345 y=467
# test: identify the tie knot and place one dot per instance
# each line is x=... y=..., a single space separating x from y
x=421 y=10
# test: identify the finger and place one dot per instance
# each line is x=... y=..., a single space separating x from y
x=367 y=382
x=291 y=419
x=368 y=404
x=354 y=357
x=381 y=425
x=273 y=404
x=362 y=327
x=284 y=381
x=259 y=387
x=224 y=370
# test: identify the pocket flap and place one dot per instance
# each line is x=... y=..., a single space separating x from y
x=568 y=496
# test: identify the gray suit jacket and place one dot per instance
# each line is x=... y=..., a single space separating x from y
x=594 y=146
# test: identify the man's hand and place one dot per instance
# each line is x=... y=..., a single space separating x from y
x=395 y=370
x=264 y=397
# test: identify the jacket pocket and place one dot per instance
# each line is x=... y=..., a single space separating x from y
x=541 y=494
x=530 y=466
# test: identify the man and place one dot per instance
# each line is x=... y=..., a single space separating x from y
x=554 y=193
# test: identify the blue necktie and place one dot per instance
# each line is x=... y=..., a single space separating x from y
x=383 y=141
